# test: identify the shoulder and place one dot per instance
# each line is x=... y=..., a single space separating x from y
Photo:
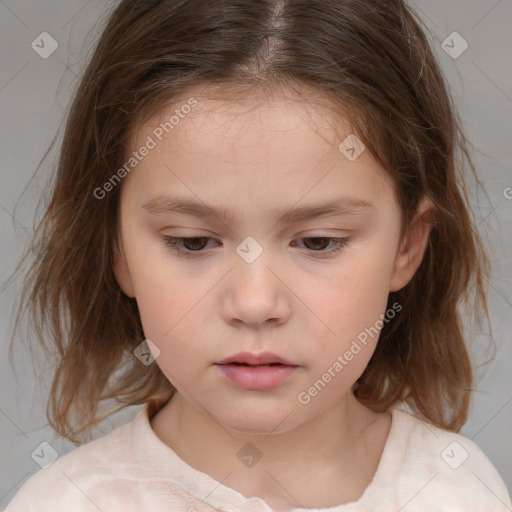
x=69 y=483
x=442 y=470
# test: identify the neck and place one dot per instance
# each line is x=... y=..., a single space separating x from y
x=329 y=446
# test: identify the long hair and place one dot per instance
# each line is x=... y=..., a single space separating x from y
x=371 y=60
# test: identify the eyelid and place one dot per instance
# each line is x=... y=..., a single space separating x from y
x=173 y=241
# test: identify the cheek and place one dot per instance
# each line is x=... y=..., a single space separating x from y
x=350 y=304
x=170 y=321
x=352 y=300
x=175 y=311
x=165 y=296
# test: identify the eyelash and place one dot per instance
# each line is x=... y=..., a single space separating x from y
x=173 y=242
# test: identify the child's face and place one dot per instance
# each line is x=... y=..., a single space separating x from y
x=295 y=299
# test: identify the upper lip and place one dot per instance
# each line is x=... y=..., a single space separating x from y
x=256 y=359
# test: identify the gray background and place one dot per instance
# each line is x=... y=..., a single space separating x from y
x=34 y=93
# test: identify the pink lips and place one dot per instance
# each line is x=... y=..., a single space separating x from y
x=256 y=372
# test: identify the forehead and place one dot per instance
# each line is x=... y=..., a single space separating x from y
x=230 y=113
x=256 y=146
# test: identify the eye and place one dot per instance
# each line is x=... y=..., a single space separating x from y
x=192 y=246
x=319 y=242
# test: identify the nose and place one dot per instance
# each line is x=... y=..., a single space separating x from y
x=255 y=294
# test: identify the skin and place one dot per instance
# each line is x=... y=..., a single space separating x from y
x=295 y=299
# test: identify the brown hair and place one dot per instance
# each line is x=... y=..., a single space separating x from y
x=372 y=61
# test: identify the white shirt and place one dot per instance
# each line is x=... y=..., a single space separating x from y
x=422 y=468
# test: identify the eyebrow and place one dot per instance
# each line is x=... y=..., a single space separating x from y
x=168 y=205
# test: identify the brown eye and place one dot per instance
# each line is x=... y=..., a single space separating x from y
x=194 y=244
x=186 y=245
x=318 y=243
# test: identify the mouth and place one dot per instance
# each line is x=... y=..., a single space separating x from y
x=256 y=372
x=261 y=359
x=256 y=365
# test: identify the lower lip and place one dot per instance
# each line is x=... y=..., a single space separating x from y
x=257 y=378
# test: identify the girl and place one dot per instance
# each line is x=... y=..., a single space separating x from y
x=259 y=230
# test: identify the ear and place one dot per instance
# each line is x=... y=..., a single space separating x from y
x=121 y=271
x=412 y=248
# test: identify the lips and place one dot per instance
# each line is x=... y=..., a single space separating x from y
x=261 y=359
x=256 y=372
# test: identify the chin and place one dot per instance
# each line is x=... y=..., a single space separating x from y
x=259 y=420
x=247 y=426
